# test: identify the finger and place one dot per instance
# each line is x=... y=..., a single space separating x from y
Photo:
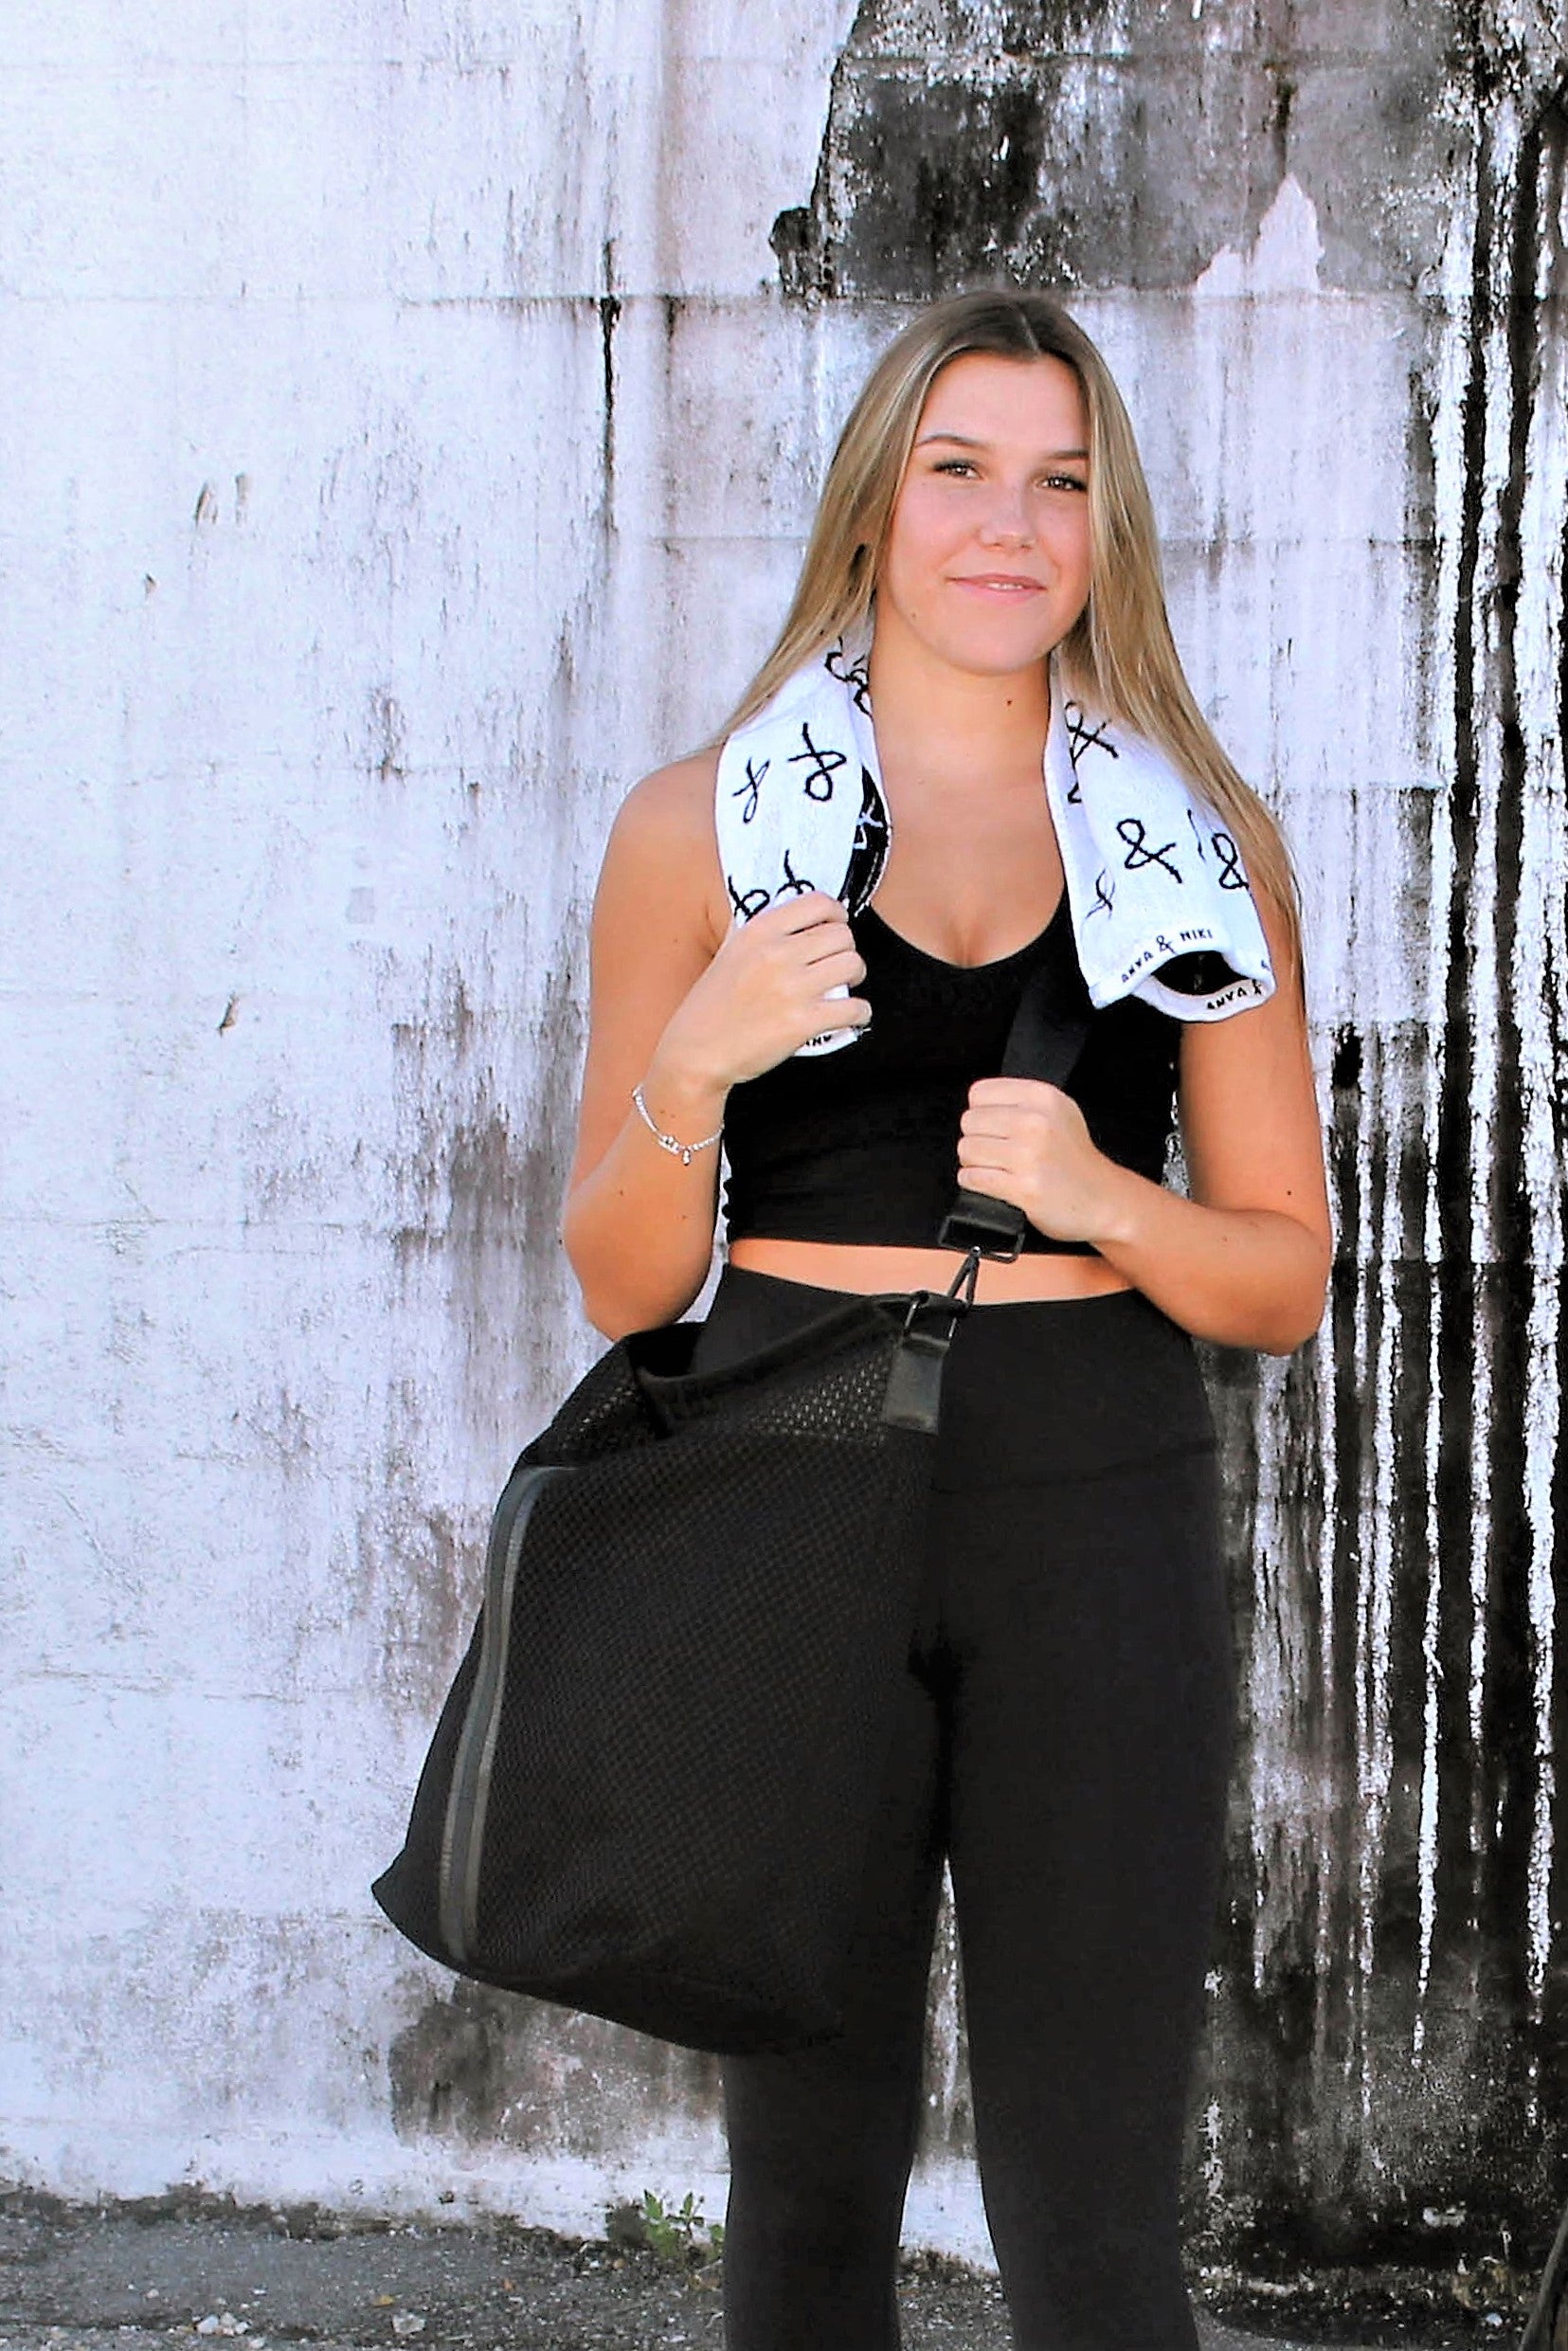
x=988 y=1150
x=996 y=1182
x=845 y=968
x=838 y=1012
x=802 y=911
x=827 y=943
x=989 y=1118
x=1021 y=1092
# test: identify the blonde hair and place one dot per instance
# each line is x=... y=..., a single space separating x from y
x=1120 y=653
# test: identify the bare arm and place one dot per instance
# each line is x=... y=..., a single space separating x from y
x=688 y=1005
x=638 y=1226
x=1244 y=1259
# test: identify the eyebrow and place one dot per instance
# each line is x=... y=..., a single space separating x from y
x=963 y=440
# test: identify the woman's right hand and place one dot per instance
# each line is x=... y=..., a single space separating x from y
x=685 y=1003
x=764 y=993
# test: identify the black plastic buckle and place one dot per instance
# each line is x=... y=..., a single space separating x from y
x=990 y=1225
x=958 y=1297
x=975 y=1221
x=962 y=1288
x=913 y=1397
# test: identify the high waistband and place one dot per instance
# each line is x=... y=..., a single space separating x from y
x=1037 y=1391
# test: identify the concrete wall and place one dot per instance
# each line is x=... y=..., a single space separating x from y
x=409 y=415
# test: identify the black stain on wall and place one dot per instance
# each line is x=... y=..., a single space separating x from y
x=946 y=176
x=482 y=2068
x=1074 y=148
x=448 y=2070
x=1511 y=267
x=1097 y=147
x=610 y=319
x=1437 y=1404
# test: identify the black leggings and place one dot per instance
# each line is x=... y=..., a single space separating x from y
x=1065 y=1736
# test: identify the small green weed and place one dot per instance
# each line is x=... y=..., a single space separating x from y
x=681 y=2235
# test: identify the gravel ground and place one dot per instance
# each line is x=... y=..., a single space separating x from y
x=131 y=2277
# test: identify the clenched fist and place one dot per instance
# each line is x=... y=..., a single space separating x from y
x=1026 y=1142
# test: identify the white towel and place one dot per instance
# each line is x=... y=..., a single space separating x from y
x=1151 y=871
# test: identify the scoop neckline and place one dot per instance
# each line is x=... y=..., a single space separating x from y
x=996 y=963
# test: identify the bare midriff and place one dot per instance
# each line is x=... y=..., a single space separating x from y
x=839 y=1265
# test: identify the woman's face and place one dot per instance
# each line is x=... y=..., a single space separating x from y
x=987 y=563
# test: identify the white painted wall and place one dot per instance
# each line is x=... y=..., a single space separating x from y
x=338 y=615
x=332 y=642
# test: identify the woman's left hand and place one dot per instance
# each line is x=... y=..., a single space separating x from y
x=1028 y=1143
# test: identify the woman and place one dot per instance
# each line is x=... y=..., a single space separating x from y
x=1065 y=1727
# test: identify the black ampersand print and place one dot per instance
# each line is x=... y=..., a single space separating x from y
x=747 y=791
x=1103 y=897
x=852 y=674
x=753 y=902
x=1084 y=736
x=871 y=833
x=825 y=765
x=870 y=854
x=1135 y=833
x=1230 y=875
x=792 y=885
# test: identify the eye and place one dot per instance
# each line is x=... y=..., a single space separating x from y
x=953 y=465
x=1065 y=481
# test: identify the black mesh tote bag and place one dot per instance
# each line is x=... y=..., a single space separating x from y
x=651 y=1789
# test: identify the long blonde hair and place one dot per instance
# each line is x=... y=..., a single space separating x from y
x=1120 y=653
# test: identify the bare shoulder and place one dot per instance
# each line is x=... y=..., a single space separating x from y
x=663 y=847
x=1280 y=1015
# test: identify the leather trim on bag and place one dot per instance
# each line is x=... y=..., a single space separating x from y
x=468 y=1798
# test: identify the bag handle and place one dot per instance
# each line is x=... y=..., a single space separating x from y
x=1044 y=1042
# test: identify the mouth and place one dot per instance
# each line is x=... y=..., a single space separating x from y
x=1000 y=583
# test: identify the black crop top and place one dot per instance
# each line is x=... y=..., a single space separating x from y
x=861 y=1145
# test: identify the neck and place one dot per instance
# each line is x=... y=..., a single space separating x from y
x=943 y=721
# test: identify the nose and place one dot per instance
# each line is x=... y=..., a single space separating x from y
x=1008 y=522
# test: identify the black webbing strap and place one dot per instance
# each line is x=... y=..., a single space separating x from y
x=1044 y=1042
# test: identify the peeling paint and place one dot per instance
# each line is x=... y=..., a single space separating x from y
x=1283 y=258
x=1118 y=146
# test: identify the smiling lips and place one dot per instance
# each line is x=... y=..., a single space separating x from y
x=1000 y=583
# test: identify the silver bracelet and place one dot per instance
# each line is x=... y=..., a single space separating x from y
x=685 y=1152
